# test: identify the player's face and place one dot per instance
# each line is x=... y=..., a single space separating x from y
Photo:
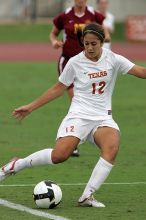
x=93 y=47
x=103 y=5
x=80 y=3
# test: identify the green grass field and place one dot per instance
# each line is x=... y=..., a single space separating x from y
x=20 y=83
x=40 y=33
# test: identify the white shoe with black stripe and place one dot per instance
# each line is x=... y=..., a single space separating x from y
x=8 y=169
x=90 y=202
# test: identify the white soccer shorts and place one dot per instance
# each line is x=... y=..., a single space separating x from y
x=83 y=129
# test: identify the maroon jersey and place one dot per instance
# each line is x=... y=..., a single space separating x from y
x=70 y=23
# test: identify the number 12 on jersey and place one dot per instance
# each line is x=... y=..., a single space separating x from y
x=101 y=86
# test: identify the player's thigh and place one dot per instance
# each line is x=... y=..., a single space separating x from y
x=108 y=139
x=63 y=148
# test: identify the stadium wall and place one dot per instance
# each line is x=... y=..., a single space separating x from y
x=121 y=9
x=23 y=9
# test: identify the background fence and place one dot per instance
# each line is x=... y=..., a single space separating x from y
x=31 y=9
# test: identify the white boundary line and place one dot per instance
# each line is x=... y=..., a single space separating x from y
x=73 y=184
x=44 y=214
x=29 y=210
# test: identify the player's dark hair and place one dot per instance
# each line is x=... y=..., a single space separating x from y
x=92 y=28
x=80 y=37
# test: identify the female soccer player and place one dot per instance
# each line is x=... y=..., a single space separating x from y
x=70 y=21
x=93 y=73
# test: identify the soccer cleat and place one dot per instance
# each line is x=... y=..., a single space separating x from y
x=75 y=153
x=8 y=169
x=90 y=202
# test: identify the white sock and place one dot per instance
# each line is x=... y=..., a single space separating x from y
x=98 y=176
x=42 y=157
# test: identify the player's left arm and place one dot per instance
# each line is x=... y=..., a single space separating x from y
x=138 y=71
x=51 y=94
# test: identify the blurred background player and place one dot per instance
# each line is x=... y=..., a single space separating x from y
x=70 y=21
x=102 y=7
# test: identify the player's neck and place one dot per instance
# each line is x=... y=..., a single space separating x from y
x=79 y=10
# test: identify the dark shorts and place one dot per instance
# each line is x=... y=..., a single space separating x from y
x=61 y=64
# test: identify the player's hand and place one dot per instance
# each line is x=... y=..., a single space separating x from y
x=21 y=112
x=57 y=44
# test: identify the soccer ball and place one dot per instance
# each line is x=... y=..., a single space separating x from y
x=47 y=194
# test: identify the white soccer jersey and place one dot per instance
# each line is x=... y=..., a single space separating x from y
x=93 y=83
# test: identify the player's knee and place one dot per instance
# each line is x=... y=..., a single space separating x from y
x=114 y=150
x=58 y=157
x=110 y=152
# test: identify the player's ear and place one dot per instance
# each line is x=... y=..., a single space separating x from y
x=80 y=37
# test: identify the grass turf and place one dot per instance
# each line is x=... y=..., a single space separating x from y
x=20 y=33
x=20 y=84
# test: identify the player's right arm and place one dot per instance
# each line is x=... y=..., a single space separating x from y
x=51 y=94
x=54 y=38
